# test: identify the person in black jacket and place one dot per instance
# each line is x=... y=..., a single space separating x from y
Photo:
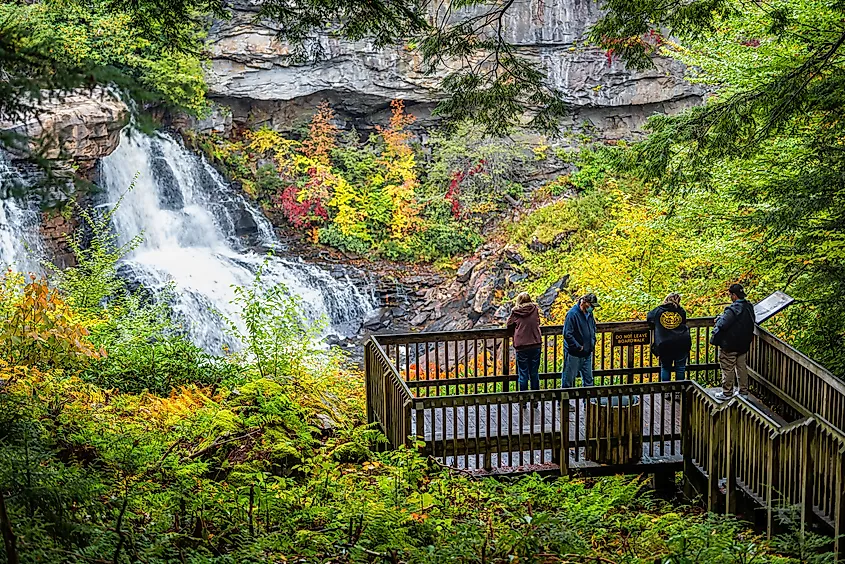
x=671 y=337
x=733 y=334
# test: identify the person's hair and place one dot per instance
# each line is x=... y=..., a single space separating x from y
x=674 y=299
x=737 y=290
x=523 y=298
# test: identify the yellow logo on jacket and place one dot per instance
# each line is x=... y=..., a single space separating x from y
x=670 y=319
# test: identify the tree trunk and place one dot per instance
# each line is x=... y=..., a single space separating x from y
x=9 y=540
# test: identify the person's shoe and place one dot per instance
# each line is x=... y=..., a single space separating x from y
x=744 y=394
x=721 y=396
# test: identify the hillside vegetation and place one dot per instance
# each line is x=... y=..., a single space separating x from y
x=122 y=442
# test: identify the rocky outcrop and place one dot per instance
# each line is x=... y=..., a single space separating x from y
x=250 y=72
x=82 y=126
x=55 y=230
x=479 y=294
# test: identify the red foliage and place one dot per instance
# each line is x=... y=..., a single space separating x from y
x=751 y=43
x=301 y=214
x=649 y=41
x=453 y=194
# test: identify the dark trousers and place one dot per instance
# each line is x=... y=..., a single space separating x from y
x=528 y=368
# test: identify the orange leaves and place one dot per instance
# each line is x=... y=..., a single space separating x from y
x=395 y=135
x=40 y=329
x=323 y=135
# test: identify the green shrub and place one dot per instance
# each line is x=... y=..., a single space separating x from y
x=333 y=237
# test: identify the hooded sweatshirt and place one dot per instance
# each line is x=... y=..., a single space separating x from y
x=671 y=334
x=524 y=323
x=579 y=332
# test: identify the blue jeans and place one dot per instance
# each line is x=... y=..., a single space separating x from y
x=666 y=365
x=574 y=366
x=528 y=367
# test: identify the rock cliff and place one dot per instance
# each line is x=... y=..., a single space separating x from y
x=250 y=74
x=81 y=126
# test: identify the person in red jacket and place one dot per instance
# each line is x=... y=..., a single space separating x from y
x=524 y=325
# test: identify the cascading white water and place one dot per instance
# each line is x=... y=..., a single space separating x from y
x=200 y=234
x=20 y=241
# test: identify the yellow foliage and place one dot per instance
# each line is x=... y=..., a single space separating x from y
x=401 y=179
x=39 y=328
x=264 y=140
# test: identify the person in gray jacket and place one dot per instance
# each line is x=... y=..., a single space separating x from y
x=733 y=334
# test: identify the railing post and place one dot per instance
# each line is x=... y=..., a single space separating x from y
x=730 y=463
x=420 y=423
x=388 y=416
x=807 y=476
x=506 y=355
x=686 y=434
x=839 y=511
x=772 y=463
x=564 y=433
x=712 y=472
x=406 y=423
x=368 y=378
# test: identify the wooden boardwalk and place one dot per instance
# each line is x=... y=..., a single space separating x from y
x=782 y=447
x=660 y=426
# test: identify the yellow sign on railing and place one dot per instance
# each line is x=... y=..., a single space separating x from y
x=628 y=338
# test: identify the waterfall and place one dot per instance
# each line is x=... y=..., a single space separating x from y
x=204 y=237
x=20 y=241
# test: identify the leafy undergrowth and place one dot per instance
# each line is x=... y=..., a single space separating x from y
x=240 y=475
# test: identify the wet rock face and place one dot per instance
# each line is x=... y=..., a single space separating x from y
x=249 y=72
x=82 y=126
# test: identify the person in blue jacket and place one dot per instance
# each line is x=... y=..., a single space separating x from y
x=579 y=336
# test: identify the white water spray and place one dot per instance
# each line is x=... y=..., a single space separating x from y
x=20 y=240
x=200 y=234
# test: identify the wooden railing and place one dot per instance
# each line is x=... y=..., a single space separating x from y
x=388 y=397
x=484 y=361
x=735 y=447
x=496 y=432
x=456 y=392
x=795 y=380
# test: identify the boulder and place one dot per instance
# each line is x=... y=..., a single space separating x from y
x=420 y=318
x=375 y=320
x=537 y=246
x=516 y=277
x=513 y=256
x=465 y=270
x=547 y=299
x=483 y=300
x=502 y=312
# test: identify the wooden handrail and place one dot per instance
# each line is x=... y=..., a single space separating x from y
x=395 y=372
x=794 y=354
x=611 y=326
